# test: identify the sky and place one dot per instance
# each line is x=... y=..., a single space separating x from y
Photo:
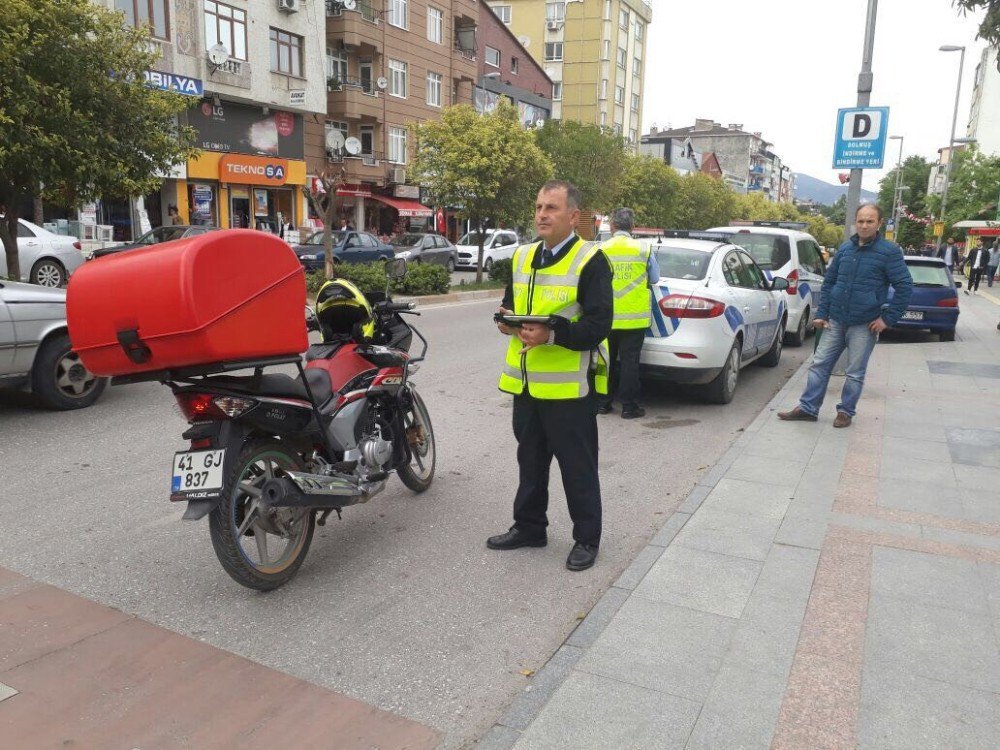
x=784 y=67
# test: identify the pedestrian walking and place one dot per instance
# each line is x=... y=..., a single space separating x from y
x=853 y=312
x=949 y=253
x=993 y=263
x=555 y=371
x=978 y=259
x=634 y=270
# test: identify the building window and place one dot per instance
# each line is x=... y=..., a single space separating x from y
x=635 y=102
x=502 y=12
x=434 y=89
x=604 y=89
x=151 y=13
x=492 y=57
x=555 y=11
x=336 y=64
x=227 y=26
x=606 y=50
x=435 y=25
x=636 y=66
x=397 y=145
x=619 y=94
x=513 y=65
x=368 y=142
x=623 y=19
x=638 y=30
x=286 y=53
x=633 y=135
x=553 y=51
x=397 y=13
x=397 y=78
x=557 y=91
x=622 y=56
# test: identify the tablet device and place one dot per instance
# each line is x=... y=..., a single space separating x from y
x=516 y=321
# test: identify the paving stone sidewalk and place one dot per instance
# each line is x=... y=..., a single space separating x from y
x=819 y=588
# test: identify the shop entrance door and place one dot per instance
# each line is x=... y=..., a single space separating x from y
x=239 y=213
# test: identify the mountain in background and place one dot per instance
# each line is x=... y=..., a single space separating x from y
x=810 y=188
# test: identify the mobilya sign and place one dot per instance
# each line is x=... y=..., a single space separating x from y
x=173 y=82
x=252 y=170
x=242 y=129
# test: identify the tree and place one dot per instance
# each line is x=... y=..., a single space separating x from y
x=487 y=166
x=77 y=120
x=972 y=188
x=322 y=196
x=989 y=29
x=836 y=213
x=755 y=207
x=650 y=188
x=915 y=174
x=704 y=202
x=592 y=158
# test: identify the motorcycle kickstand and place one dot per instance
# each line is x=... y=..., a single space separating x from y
x=321 y=521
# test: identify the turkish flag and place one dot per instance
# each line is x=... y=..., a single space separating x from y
x=845 y=177
x=442 y=225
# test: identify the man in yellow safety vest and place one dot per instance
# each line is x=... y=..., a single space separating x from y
x=634 y=270
x=555 y=371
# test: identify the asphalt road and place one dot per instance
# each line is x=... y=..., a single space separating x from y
x=400 y=604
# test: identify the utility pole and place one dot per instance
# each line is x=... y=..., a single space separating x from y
x=951 y=143
x=895 y=195
x=864 y=99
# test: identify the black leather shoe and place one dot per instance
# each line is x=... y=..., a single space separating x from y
x=582 y=556
x=605 y=408
x=633 y=412
x=515 y=539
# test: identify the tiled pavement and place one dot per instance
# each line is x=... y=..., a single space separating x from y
x=820 y=588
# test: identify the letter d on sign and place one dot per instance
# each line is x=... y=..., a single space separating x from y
x=862 y=126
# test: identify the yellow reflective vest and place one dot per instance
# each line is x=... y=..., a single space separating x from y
x=629 y=260
x=551 y=371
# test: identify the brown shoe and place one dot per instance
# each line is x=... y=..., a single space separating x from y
x=796 y=415
x=842 y=420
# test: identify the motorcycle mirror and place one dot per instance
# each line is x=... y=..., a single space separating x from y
x=312 y=321
x=395 y=269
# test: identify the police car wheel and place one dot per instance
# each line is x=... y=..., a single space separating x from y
x=723 y=388
x=796 y=337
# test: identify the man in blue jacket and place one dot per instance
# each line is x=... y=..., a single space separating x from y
x=855 y=288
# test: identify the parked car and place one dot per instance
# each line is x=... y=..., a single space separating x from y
x=425 y=248
x=713 y=312
x=35 y=350
x=349 y=246
x=934 y=304
x=166 y=233
x=781 y=248
x=46 y=259
x=498 y=244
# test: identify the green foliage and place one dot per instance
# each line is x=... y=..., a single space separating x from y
x=837 y=213
x=420 y=278
x=502 y=271
x=592 y=158
x=704 y=202
x=989 y=29
x=77 y=120
x=423 y=278
x=650 y=188
x=915 y=174
x=755 y=207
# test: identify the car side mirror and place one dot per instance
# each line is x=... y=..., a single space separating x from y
x=395 y=269
x=312 y=320
x=779 y=284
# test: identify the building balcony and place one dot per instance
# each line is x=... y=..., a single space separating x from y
x=358 y=28
x=464 y=54
x=369 y=168
x=351 y=99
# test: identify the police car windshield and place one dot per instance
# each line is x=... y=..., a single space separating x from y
x=770 y=251
x=317 y=238
x=682 y=262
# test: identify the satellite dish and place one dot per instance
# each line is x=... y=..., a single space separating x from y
x=350 y=4
x=334 y=140
x=353 y=146
x=218 y=54
x=382 y=82
x=524 y=40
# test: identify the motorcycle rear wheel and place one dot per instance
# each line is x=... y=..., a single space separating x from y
x=242 y=531
x=419 y=473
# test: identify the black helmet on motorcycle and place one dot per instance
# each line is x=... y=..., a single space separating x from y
x=343 y=310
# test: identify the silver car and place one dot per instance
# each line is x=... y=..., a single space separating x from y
x=35 y=351
x=46 y=259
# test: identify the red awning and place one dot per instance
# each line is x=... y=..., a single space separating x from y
x=406 y=208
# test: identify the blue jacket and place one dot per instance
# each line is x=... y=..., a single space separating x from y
x=857 y=283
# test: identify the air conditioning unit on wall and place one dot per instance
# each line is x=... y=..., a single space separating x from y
x=399 y=175
x=553 y=25
x=289 y=6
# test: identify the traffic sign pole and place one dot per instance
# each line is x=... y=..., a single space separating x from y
x=864 y=99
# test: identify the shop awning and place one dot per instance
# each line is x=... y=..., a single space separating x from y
x=406 y=208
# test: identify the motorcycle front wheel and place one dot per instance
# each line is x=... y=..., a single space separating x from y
x=259 y=547
x=419 y=473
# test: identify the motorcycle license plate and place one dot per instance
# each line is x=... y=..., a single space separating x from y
x=911 y=315
x=198 y=473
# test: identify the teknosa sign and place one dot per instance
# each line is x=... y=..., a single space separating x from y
x=860 y=139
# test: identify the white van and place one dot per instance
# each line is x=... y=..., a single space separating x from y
x=498 y=244
x=781 y=248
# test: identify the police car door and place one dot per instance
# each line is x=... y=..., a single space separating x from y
x=740 y=312
x=811 y=271
x=763 y=304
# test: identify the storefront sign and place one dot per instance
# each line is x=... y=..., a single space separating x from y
x=252 y=170
x=297 y=98
x=173 y=82
x=241 y=129
x=358 y=191
x=407 y=191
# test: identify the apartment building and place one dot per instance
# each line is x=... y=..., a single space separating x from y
x=255 y=78
x=385 y=69
x=594 y=52
x=984 y=112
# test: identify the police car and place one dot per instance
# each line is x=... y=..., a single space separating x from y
x=713 y=312
x=782 y=249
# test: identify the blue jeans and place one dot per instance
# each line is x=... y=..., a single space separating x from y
x=859 y=342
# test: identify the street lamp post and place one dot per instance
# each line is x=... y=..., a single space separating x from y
x=895 y=194
x=951 y=143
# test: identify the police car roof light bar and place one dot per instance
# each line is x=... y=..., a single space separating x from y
x=772 y=224
x=695 y=234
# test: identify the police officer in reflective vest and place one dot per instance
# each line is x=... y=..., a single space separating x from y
x=634 y=269
x=555 y=372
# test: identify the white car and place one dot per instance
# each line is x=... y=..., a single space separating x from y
x=46 y=259
x=498 y=244
x=781 y=248
x=714 y=311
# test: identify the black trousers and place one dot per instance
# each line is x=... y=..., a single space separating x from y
x=624 y=348
x=975 y=275
x=566 y=429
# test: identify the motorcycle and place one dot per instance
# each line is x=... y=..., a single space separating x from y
x=271 y=456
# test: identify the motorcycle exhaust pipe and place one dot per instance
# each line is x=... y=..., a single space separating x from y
x=300 y=490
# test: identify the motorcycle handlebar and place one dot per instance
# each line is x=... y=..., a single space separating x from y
x=396 y=306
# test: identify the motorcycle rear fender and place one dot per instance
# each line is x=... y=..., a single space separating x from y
x=227 y=434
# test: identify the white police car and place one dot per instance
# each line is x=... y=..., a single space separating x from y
x=782 y=249
x=714 y=311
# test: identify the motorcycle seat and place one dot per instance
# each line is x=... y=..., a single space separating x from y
x=282 y=386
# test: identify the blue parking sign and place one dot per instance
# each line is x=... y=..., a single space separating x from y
x=860 y=139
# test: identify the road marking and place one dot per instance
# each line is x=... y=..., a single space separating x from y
x=6 y=691
x=990 y=297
